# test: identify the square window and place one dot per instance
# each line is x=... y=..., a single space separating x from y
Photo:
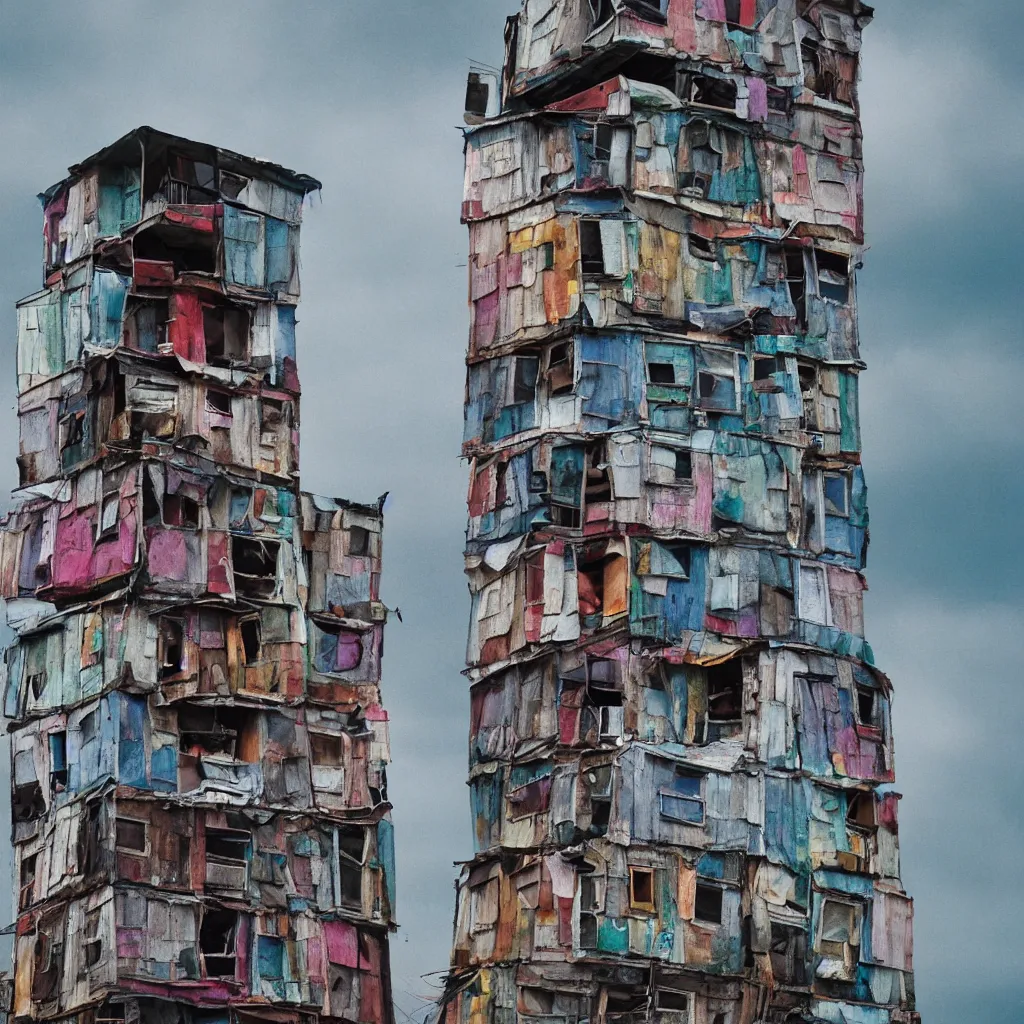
x=641 y=889
x=668 y=1000
x=661 y=373
x=130 y=836
x=683 y=800
x=708 y=904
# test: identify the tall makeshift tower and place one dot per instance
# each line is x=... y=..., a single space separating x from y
x=200 y=817
x=681 y=752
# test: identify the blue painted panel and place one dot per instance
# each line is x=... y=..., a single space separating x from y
x=131 y=747
x=243 y=249
x=386 y=855
x=284 y=344
x=270 y=958
x=279 y=254
x=109 y=292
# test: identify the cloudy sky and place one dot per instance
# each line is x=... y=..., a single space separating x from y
x=366 y=95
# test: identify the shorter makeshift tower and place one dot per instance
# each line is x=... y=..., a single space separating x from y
x=201 y=824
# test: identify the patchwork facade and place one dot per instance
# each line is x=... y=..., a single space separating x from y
x=681 y=757
x=201 y=824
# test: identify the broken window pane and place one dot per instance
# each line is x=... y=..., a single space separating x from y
x=683 y=800
x=255 y=566
x=524 y=387
x=833 y=276
x=217 y=942
x=226 y=331
x=713 y=92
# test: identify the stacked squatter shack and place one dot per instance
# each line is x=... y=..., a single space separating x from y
x=681 y=758
x=200 y=815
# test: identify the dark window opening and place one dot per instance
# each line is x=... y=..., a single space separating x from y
x=226 y=330
x=227 y=846
x=27 y=881
x=58 y=761
x=788 y=953
x=684 y=465
x=598 y=482
x=867 y=706
x=591 y=249
x=661 y=373
x=181 y=510
x=215 y=730
x=725 y=691
x=524 y=383
x=713 y=92
x=547 y=256
x=28 y=803
x=147 y=327
x=93 y=939
x=130 y=836
x=599 y=783
x=478 y=94
x=251 y=640
x=707 y=905
x=218 y=402
x=833 y=276
x=352 y=843
x=672 y=1000
x=190 y=182
x=358 y=541
x=604 y=682
x=796 y=279
x=626 y=1005
x=778 y=100
x=171 y=647
x=217 y=943
x=641 y=889
x=808 y=392
x=189 y=251
x=232 y=185
x=255 y=566
x=764 y=367
x=561 y=370
x=501 y=485
x=91 y=839
x=72 y=430
x=702 y=248
x=602 y=143
x=860 y=810
x=732 y=13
